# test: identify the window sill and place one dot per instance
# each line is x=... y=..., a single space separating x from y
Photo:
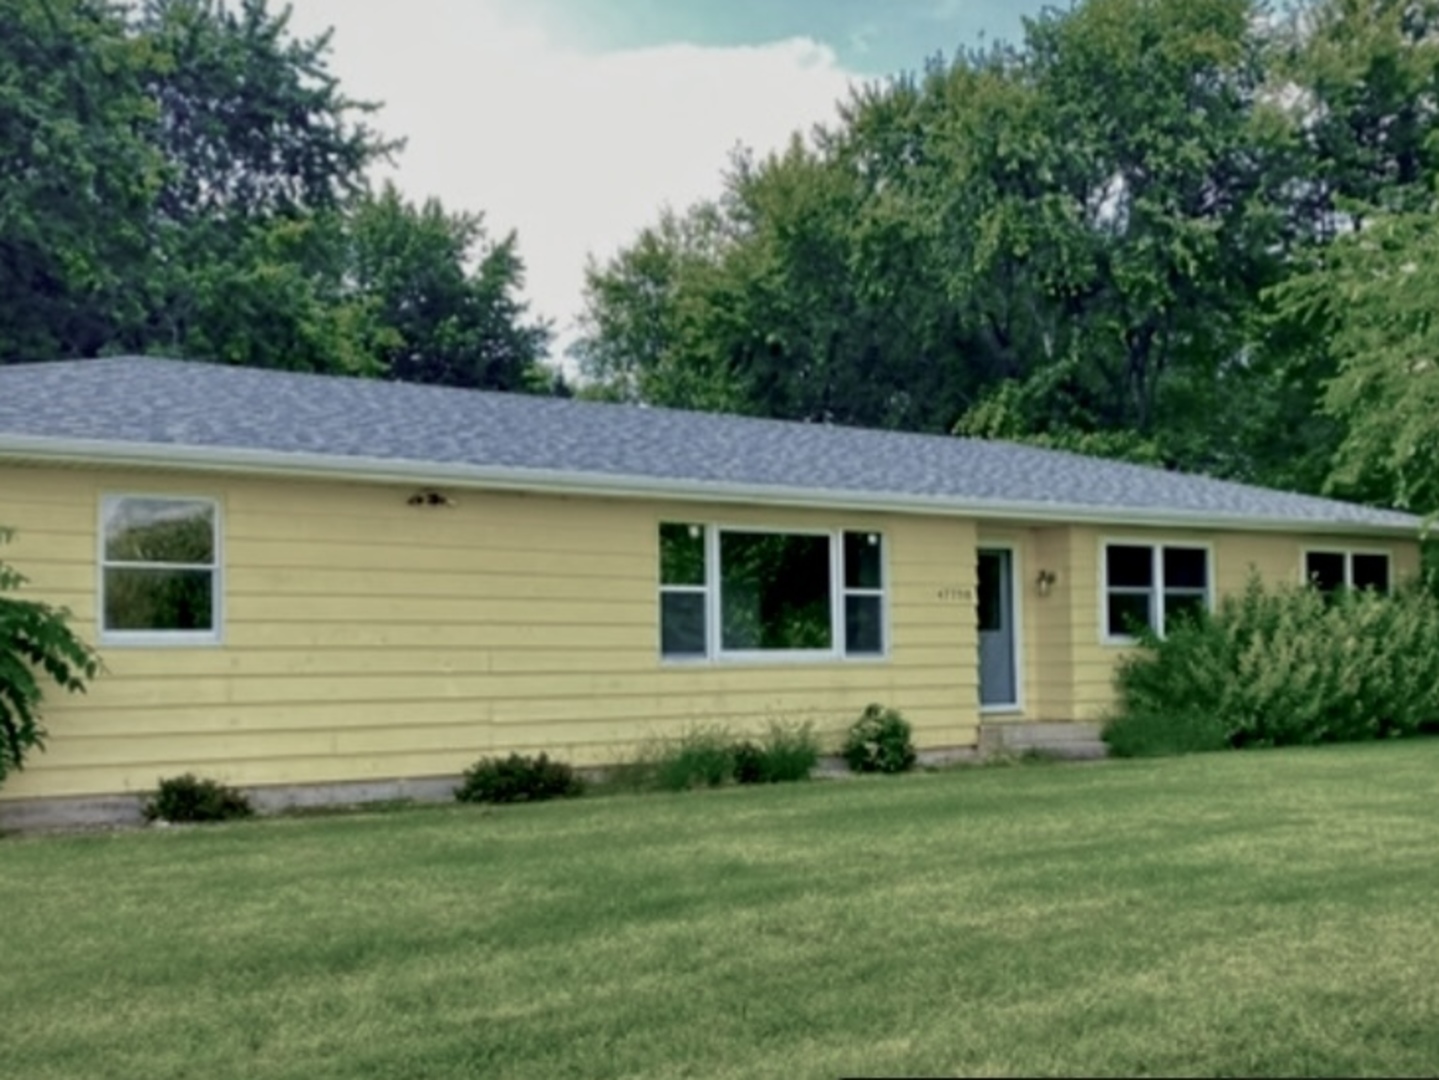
x=159 y=641
x=1112 y=642
x=785 y=660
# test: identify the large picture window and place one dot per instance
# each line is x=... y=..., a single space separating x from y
x=159 y=569
x=1152 y=585
x=1330 y=571
x=750 y=592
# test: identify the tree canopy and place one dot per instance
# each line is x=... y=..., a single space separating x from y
x=1195 y=233
x=186 y=177
x=1086 y=239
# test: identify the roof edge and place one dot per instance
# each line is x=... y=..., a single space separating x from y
x=186 y=458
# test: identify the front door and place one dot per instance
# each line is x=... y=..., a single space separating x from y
x=998 y=677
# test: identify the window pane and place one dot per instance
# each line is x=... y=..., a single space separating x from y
x=682 y=624
x=1127 y=611
x=863 y=625
x=1130 y=566
x=1179 y=606
x=1185 y=568
x=1371 y=572
x=682 y=554
x=991 y=587
x=775 y=591
x=1325 y=570
x=160 y=530
x=862 y=560
x=162 y=600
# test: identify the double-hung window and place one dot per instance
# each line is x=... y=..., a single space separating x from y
x=737 y=593
x=1152 y=585
x=684 y=629
x=159 y=570
x=1330 y=571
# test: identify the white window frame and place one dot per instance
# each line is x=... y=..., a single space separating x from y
x=1156 y=591
x=163 y=638
x=716 y=653
x=702 y=589
x=1348 y=553
x=841 y=613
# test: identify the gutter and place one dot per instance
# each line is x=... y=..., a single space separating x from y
x=230 y=461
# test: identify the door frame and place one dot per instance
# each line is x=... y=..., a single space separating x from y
x=1016 y=627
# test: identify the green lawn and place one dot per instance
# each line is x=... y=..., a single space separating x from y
x=1254 y=914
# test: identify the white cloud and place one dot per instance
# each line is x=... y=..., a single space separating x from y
x=576 y=151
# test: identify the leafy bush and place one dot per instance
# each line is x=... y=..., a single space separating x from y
x=701 y=757
x=710 y=756
x=879 y=741
x=518 y=778
x=188 y=798
x=786 y=752
x=34 y=637
x=1283 y=667
x=750 y=765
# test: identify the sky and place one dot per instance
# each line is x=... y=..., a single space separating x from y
x=573 y=122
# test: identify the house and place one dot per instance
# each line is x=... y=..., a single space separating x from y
x=322 y=587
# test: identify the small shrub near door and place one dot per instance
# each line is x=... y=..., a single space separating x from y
x=879 y=741
x=518 y=778
x=188 y=798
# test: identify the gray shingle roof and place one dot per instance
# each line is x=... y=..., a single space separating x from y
x=208 y=410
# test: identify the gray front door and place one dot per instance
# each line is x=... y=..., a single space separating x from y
x=998 y=680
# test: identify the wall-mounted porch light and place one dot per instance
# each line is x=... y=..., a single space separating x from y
x=430 y=497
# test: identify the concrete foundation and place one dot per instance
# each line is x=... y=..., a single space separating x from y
x=1072 y=740
x=30 y=815
x=1076 y=741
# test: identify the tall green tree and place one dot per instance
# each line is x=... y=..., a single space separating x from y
x=77 y=179
x=249 y=119
x=1061 y=239
x=186 y=177
x=662 y=315
x=260 y=146
x=444 y=297
x=1361 y=78
x=1372 y=300
x=1131 y=200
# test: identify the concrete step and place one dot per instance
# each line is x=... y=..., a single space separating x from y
x=1077 y=741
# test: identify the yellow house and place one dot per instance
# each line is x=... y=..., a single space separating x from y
x=325 y=588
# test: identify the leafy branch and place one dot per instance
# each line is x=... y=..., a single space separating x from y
x=35 y=642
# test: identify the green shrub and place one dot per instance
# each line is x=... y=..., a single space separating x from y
x=879 y=741
x=187 y=798
x=786 y=752
x=36 y=645
x=710 y=756
x=750 y=764
x=518 y=778
x=1283 y=667
x=701 y=757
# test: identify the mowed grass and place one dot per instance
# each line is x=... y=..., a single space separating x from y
x=1269 y=913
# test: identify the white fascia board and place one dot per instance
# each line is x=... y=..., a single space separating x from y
x=226 y=460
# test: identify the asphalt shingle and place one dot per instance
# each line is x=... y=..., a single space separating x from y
x=180 y=404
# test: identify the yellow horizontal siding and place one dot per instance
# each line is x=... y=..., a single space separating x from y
x=365 y=638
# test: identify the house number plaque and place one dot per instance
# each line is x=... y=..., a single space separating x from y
x=956 y=593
